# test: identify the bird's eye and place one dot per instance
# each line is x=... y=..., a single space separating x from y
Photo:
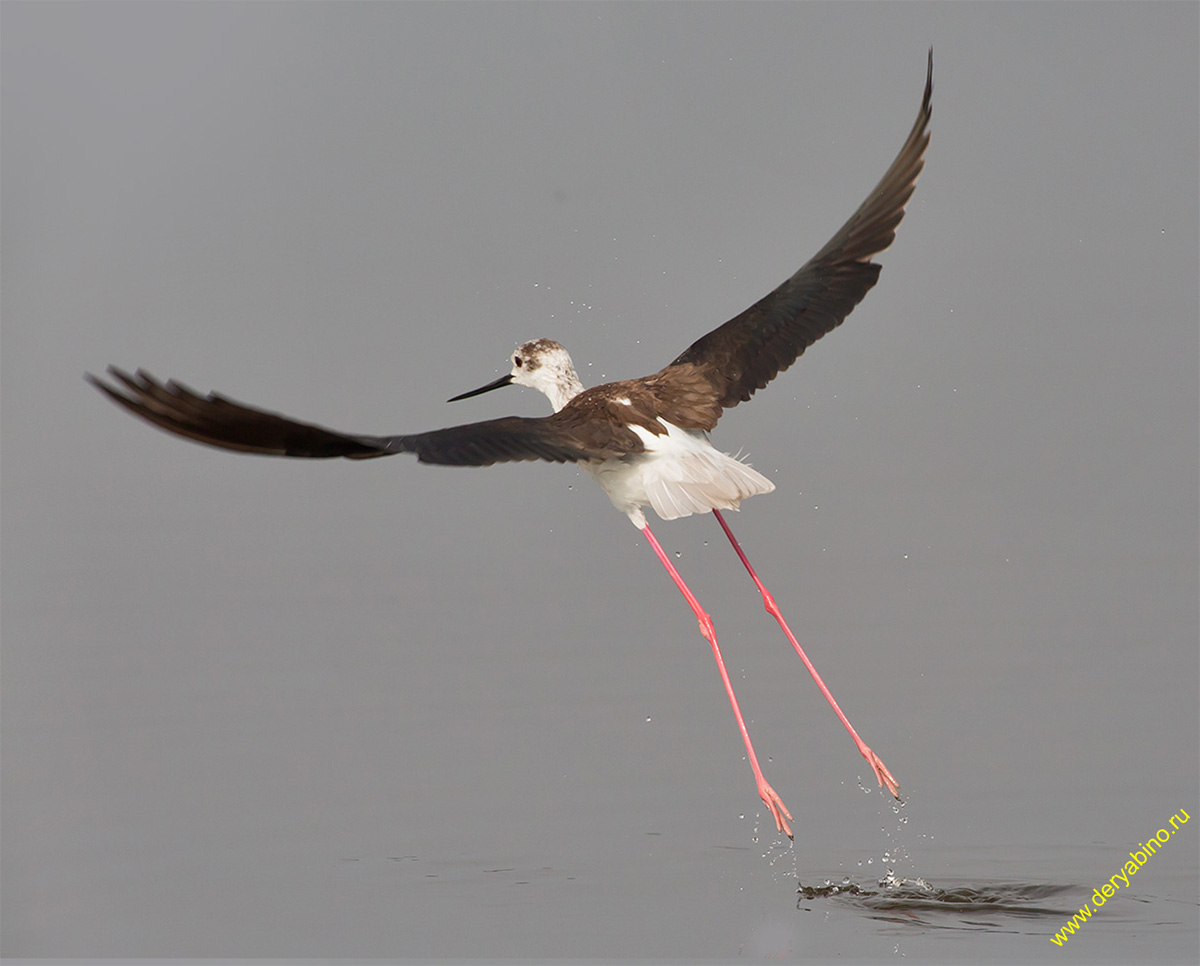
x=517 y=361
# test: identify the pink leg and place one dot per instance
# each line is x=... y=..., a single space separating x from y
x=769 y=796
x=880 y=769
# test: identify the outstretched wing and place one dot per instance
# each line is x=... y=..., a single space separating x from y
x=748 y=351
x=219 y=421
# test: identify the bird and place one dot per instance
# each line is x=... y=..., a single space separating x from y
x=644 y=441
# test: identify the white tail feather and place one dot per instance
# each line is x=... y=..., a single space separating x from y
x=699 y=482
x=678 y=474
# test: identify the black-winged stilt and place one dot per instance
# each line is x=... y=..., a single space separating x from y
x=645 y=441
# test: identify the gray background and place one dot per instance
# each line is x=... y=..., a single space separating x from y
x=262 y=707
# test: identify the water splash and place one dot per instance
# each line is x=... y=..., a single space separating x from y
x=916 y=900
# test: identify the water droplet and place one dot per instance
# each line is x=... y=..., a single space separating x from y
x=648 y=719
x=678 y=554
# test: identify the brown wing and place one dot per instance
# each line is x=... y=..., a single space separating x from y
x=221 y=422
x=748 y=351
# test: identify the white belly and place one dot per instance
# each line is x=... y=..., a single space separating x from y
x=679 y=474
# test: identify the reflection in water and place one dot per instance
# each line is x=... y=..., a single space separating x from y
x=915 y=900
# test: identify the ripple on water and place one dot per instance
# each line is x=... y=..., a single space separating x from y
x=915 y=900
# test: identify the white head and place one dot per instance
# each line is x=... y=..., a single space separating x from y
x=543 y=365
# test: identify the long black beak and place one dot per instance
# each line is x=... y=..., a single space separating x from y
x=502 y=381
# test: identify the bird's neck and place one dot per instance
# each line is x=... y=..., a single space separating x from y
x=563 y=389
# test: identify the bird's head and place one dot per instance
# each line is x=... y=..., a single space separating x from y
x=543 y=365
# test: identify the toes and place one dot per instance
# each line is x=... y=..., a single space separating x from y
x=777 y=809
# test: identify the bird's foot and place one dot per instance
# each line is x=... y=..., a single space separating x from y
x=776 y=807
x=881 y=772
